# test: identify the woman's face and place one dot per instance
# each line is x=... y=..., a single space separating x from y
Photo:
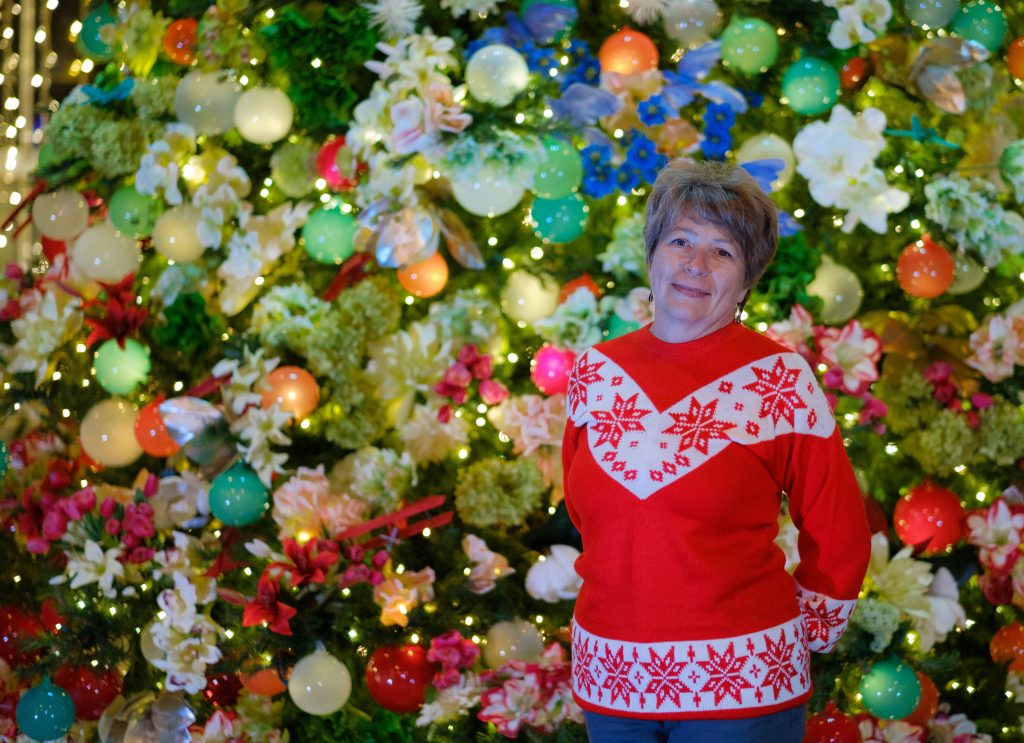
x=697 y=276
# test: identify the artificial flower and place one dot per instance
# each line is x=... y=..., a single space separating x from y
x=399 y=593
x=305 y=506
x=488 y=566
x=553 y=577
x=93 y=565
x=996 y=531
x=852 y=353
x=266 y=608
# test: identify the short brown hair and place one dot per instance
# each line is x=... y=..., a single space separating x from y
x=725 y=195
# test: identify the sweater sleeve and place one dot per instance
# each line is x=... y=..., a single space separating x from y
x=570 y=441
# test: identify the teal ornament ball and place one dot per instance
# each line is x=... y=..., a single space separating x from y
x=547 y=34
x=750 y=45
x=560 y=171
x=617 y=326
x=5 y=459
x=45 y=712
x=930 y=13
x=121 y=370
x=890 y=689
x=89 y=37
x=237 y=496
x=329 y=236
x=981 y=21
x=811 y=86
x=559 y=220
x=134 y=213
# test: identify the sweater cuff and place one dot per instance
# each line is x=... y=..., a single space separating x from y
x=825 y=618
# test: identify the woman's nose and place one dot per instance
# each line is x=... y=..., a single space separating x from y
x=698 y=263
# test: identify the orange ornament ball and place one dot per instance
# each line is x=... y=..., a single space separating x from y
x=925 y=268
x=265 y=682
x=152 y=433
x=854 y=72
x=1015 y=58
x=426 y=278
x=293 y=389
x=926 y=708
x=584 y=282
x=628 y=52
x=1007 y=646
x=180 y=41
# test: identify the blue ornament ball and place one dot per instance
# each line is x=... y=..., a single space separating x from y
x=237 y=496
x=45 y=712
x=890 y=689
x=559 y=220
x=981 y=21
x=811 y=86
x=930 y=13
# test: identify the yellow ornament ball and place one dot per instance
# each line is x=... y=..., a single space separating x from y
x=108 y=433
x=175 y=235
x=61 y=215
x=515 y=640
x=104 y=254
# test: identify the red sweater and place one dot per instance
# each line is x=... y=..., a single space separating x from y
x=675 y=457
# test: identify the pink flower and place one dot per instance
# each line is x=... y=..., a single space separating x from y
x=488 y=566
x=453 y=652
x=873 y=410
x=55 y=524
x=939 y=372
x=443 y=112
x=397 y=594
x=138 y=520
x=510 y=706
x=795 y=332
x=997 y=346
x=79 y=504
x=140 y=555
x=855 y=352
x=458 y=376
x=997 y=532
x=108 y=507
x=409 y=134
x=112 y=527
x=468 y=355
x=305 y=503
x=492 y=391
x=483 y=368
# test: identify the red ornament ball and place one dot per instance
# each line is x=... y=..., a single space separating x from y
x=925 y=268
x=928 y=517
x=854 y=72
x=1015 y=58
x=222 y=689
x=91 y=690
x=926 y=708
x=628 y=52
x=52 y=248
x=397 y=677
x=151 y=432
x=180 y=41
x=327 y=166
x=1007 y=646
x=16 y=626
x=831 y=726
x=550 y=369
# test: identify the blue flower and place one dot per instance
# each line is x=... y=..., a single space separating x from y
x=715 y=144
x=541 y=59
x=596 y=154
x=588 y=72
x=598 y=180
x=787 y=225
x=642 y=151
x=654 y=110
x=719 y=117
x=579 y=50
x=627 y=177
x=718 y=120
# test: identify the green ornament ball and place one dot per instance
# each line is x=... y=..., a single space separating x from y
x=121 y=370
x=5 y=459
x=811 y=86
x=617 y=326
x=930 y=13
x=890 y=689
x=90 y=38
x=237 y=496
x=560 y=171
x=559 y=220
x=750 y=45
x=329 y=236
x=981 y=21
x=45 y=712
x=134 y=213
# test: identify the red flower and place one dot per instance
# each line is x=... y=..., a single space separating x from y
x=266 y=609
x=492 y=391
x=308 y=561
x=121 y=316
x=138 y=520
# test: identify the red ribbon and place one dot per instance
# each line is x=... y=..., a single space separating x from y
x=351 y=272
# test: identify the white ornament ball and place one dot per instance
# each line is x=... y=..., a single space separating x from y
x=60 y=215
x=104 y=254
x=527 y=298
x=967 y=275
x=768 y=146
x=515 y=640
x=206 y=101
x=554 y=577
x=264 y=115
x=486 y=191
x=108 y=433
x=496 y=74
x=840 y=289
x=320 y=684
x=692 y=22
x=175 y=235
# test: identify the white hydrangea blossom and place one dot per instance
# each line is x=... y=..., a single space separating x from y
x=47 y=322
x=576 y=323
x=160 y=167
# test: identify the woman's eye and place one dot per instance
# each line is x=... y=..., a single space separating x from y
x=725 y=253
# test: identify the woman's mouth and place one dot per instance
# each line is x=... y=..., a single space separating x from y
x=690 y=291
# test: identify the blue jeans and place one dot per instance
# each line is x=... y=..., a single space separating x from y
x=779 y=727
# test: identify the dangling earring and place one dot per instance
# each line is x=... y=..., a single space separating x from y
x=650 y=297
x=738 y=317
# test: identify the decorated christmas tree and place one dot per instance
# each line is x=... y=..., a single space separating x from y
x=284 y=380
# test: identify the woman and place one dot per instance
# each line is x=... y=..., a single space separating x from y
x=682 y=438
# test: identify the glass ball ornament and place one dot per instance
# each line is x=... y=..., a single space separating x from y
x=967 y=275
x=981 y=21
x=1015 y=58
x=45 y=712
x=550 y=369
x=768 y=146
x=398 y=677
x=750 y=45
x=108 y=433
x=691 y=22
x=292 y=389
x=560 y=171
x=890 y=689
x=134 y=213
x=528 y=298
x=91 y=690
x=222 y=689
x=320 y=684
x=119 y=370
x=840 y=290
x=512 y=640
x=496 y=74
x=930 y=14
x=266 y=682
x=329 y=236
x=18 y=625
x=1007 y=646
x=180 y=41
x=925 y=268
x=152 y=433
x=329 y=167
x=810 y=86
x=929 y=517
x=628 y=52
x=237 y=496
x=424 y=278
x=94 y=26
x=61 y=214
x=926 y=708
x=264 y=115
x=175 y=236
x=831 y=726
x=618 y=327
x=206 y=101
x=559 y=220
x=103 y=254
x=486 y=191
x=853 y=72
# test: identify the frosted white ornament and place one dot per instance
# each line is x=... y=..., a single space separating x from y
x=60 y=215
x=768 y=146
x=692 y=22
x=515 y=640
x=496 y=74
x=839 y=288
x=486 y=191
x=264 y=115
x=527 y=298
x=108 y=433
x=206 y=100
x=104 y=254
x=175 y=234
x=320 y=684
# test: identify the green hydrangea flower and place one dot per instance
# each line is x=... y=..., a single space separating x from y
x=154 y=96
x=117 y=147
x=71 y=128
x=293 y=168
x=496 y=492
x=626 y=253
x=880 y=619
x=1011 y=166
